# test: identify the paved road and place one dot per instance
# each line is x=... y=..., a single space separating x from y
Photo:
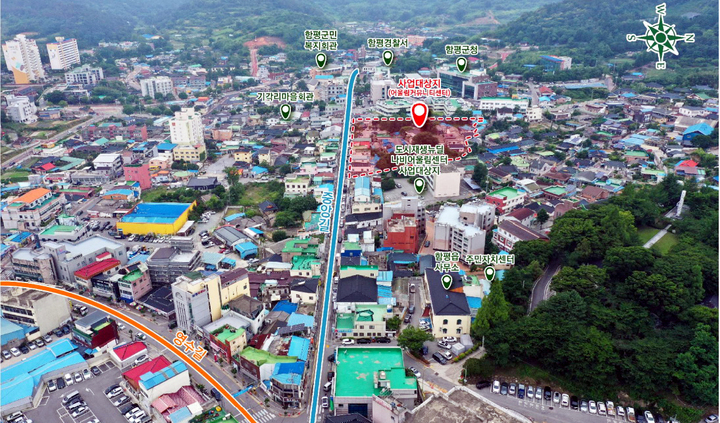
x=339 y=182
x=656 y=237
x=534 y=98
x=541 y=289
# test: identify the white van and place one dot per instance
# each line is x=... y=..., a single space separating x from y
x=327 y=387
x=69 y=397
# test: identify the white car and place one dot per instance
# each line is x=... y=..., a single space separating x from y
x=592 y=407
x=325 y=402
x=415 y=372
x=79 y=411
x=610 y=408
x=620 y=412
x=78 y=377
x=556 y=397
x=443 y=344
x=68 y=379
x=565 y=400
x=538 y=393
x=86 y=374
x=496 y=387
x=630 y=414
x=115 y=392
x=601 y=408
x=530 y=393
x=51 y=385
x=449 y=339
x=15 y=352
x=348 y=341
x=649 y=417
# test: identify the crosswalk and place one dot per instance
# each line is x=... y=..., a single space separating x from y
x=264 y=416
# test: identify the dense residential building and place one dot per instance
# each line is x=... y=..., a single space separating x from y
x=449 y=308
x=139 y=173
x=447 y=182
x=111 y=130
x=402 y=233
x=186 y=127
x=157 y=85
x=20 y=109
x=167 y=264
x=511 y=231
x=495 y=103
x=84 y=75
x=506 y=199
x=110 y=164
x=463 y=228
x=69 y=257
x=96 y=331
x=63 y=53
x=104 y=265
x=32 y=210
x=42 y=310
x=197 y=301
x=22 y=58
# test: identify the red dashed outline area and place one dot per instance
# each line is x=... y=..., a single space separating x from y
x=476 y=134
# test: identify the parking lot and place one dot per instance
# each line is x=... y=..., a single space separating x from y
x=92 y=390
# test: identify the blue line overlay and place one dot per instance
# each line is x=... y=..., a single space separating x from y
x=319 y=360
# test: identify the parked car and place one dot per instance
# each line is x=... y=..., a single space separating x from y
x=444 y=345
x=78 y=377
x=427 y=244
x=411 y=309
x=530 y=392
x=80 y=411
x=325 y=402
x=512 y=389
x=592 y=407
x=120 y=401
x=504 y=389
x=584 y=406
x=407 y=318
x=483 y=384
x=649 y=417
x=68 y=379
x=439 y=358
x=547 y=393
x=348 y=341
x=383 y=340
x=556 y=397
x=565 y=401
x=713 y=418
x=364 y=341
x=143 y=358
x=52 y=386
x=330 y=376
x=574 y=402
x=521 y=391
x=47 y=338
x=496 y=387
x=7 y=356
x=95 y=370
x=115 y=392
x=61 y=383
x=602 y=410
x=415 y=372
x=538 y=393
x=24 y=349
x=404 y=194
x=32 y=345
x=449 y=339
x=630 y=414
x=620 y=412
x=610 y=408
x=331 y=358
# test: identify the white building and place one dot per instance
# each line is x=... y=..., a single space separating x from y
x=22 y=58
x=186 y=127
x=159 y=84
x=109 y=164
x=63 y=53
x=197 y=301
x=43 y=310
x=494 y=103
x=379 y=89
x=20 y=109
x=446 y=183
x=534 y=114
x=463 y=229
x=84 y=75
x=330 y=90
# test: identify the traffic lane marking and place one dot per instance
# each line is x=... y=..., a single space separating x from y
x=137 y=325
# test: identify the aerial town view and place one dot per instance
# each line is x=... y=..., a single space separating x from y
x=449 y=211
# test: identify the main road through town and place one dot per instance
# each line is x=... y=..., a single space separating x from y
x=335 y=228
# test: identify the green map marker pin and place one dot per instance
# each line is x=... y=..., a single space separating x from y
x=419 y=185
x=462 y=64
x=285 y=111
x=321 y=60
x=490 y=273
x=388 y=57
x=447 y=281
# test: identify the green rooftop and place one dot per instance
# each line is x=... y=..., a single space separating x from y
x=303 y=262
x=506 y=192
x=345 y=322
x=56 y=229
x=556 y=190
x=133 y=276
x=261 y=357
x=370 y=313
x=228 y=334
x=302 y=246
x=356 y=368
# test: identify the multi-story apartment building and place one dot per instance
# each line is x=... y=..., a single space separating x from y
x=197 y=301
x=20 y=109
x=32 y=210
x=168 y=263
x=22 y=58
x=463 y=229
x=63 y=53
x=110 y=164
x=84 y=75
x=157 y=85
x=42 y=310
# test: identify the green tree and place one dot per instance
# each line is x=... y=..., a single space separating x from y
x=183 y=95
x=387 y=184
x=232 y=174
x=697 y=369
x=585 y=280
x=279 y=235
x=621 y=262
x=480 y=173
x=494 y=311
x=393 y=323
x=542 y=216
x=285 y=219
x=528 y=251
x=413 y=338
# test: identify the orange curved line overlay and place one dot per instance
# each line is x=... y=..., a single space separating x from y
x=190 y=362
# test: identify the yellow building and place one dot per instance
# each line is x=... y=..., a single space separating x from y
x=234 y=284
x=450 y=310
x=244 y=156
x=197 y=300
x=155 y=218
x=189 y=153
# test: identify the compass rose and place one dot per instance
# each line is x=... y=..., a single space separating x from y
x=661 y=38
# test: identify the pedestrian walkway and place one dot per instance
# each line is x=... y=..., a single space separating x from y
x=263 y=416
x=657 y=237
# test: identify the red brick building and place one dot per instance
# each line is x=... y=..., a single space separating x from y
x=402 y=233
x=138 y=173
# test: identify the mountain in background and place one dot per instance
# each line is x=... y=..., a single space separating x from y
x=600 y=26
